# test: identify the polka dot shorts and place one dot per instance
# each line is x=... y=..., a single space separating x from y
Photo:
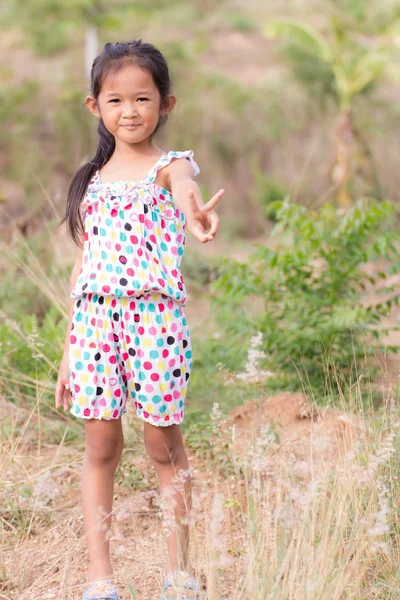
x=122 y=348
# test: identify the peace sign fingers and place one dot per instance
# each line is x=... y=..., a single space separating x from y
x=201 y=218
x=214 y=200
x=210 y=204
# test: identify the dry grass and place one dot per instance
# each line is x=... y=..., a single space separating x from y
x=306 y=509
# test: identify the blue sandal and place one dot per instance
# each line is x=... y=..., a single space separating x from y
x=103 y=589
x=177 y=585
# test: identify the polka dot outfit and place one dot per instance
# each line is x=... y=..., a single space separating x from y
x=135 y=348
x=129 y=336
x=134 y=237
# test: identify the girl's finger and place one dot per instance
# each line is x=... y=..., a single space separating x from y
x=214 y=200
x=66 y=397
x=59 y=391
x=199 y=234
x=205 y=237
x=214 y=223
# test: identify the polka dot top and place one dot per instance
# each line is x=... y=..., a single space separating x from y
x=134 y=237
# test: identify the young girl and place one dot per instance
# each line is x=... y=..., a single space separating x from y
x=127 y=339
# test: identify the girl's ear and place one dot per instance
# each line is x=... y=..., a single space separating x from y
x=169 y=104
x=92 y=106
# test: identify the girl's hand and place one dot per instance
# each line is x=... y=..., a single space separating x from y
x=63 y=393
x=204 y=217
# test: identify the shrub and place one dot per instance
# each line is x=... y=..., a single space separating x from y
x=316 y=311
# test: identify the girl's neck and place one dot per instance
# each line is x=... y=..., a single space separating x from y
x=128 y=152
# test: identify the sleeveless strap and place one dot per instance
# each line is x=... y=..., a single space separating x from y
x=167 y=158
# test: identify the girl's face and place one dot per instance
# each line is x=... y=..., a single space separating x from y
x=129 y=104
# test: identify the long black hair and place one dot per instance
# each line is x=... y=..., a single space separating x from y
x=112 y=58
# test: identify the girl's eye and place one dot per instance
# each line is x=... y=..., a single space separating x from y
x=117 y=99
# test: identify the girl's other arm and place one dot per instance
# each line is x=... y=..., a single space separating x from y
x=62 y=395
x=76 y=269
x=187 y=196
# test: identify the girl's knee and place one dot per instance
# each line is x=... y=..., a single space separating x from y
x=164 y=445
x=104 y=441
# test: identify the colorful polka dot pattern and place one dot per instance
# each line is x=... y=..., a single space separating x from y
x=129 y=348
x=134 y=237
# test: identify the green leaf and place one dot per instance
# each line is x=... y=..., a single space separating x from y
x=304 y=34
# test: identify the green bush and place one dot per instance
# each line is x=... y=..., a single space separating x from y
x=315 y=310
x=241 y=21
x=31 y=353
x=199 y=268
x=26 y=266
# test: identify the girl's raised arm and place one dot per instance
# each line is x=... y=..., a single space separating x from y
x=187 y=196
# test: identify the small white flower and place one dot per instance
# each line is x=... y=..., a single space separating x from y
x=252 y=372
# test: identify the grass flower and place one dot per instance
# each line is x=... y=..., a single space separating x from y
x=252 y=372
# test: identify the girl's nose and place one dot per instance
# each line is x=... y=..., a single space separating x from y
x=129 y=110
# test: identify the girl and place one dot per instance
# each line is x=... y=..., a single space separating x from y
x=127 y=338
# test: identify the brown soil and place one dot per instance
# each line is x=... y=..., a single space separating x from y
x=314 y=436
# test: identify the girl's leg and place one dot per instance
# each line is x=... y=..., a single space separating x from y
x=103 y=448
x=167 y=453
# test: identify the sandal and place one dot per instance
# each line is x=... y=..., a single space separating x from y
x=103 y=589
x=177 y=584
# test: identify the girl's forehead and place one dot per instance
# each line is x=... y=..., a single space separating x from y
x=128 y=78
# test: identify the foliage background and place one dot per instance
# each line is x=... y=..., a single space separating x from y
x=264 y=93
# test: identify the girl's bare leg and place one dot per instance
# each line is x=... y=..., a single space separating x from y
x=167 y=453
x=103 y=449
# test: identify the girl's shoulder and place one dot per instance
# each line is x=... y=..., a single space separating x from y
x=169 y=157
x=96 y=187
